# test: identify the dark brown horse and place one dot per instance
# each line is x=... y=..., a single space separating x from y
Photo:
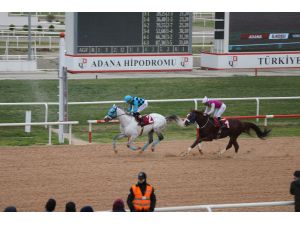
x=208 y=131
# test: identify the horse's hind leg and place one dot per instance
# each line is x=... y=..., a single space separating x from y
x=160 y=138
x=150 y=140
x=229 y=145
x=118 y=136
x=236 y=146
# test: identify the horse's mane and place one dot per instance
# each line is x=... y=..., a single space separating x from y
x=197 y=111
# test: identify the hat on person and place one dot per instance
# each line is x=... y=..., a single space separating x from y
x=10 y=209
x=297 y=173
x=142 y=176
x=87 y=208
x=205 y=99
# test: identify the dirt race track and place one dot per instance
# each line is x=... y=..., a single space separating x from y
x=94 y=175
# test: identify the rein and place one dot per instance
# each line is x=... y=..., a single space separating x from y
x=204 y=124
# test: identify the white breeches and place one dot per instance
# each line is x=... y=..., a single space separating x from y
x=142 y=107
x=220 y=111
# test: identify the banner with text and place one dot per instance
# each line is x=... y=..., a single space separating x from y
x=250 y=60
x=124 y=63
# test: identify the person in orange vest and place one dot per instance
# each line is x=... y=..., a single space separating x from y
x=141 y=197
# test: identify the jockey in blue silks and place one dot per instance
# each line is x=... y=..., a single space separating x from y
x=136 y=105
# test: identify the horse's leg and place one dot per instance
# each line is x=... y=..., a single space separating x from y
x=160 y=138
x=130 y=141
x=118 y=136
x=197 y=141
x=236 y=145
x=150 y=140
x=231 y=142
x=200 y=147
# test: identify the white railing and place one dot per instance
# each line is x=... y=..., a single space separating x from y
x=210 y=208
x=194 y=100
x=49 y=124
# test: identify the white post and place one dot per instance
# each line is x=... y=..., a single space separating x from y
x=266 y=121
x=49 y=137
x=257 y=109
x=61 y=86
x=46 y=114
x=196 y=103
x=28 y=120
x=70 y=134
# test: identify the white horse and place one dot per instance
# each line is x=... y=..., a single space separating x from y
x=130 y=128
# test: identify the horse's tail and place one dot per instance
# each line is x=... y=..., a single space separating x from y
x=261 y=134
x=177 y=119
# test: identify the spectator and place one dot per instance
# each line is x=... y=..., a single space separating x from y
x=50 y=205
x=118 y=206
x=70 y=207
x=87 y=209
x=141 y=197
x=295 y=190
x=10 y=209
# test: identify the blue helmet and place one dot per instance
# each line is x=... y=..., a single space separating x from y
x=128 y=98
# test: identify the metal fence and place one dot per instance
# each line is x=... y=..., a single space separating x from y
x=256 y=100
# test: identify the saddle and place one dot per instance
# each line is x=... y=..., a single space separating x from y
x=146 y=120
x=224 y=123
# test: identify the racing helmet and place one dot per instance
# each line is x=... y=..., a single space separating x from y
x=128 y=98
x=205 y=99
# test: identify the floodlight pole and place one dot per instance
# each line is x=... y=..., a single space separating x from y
x=29 y=36
x=61 y=76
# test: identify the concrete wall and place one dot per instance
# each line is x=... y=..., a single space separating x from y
x=17 y=65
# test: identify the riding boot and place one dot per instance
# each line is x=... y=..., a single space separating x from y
x=220 y=127
x=138 y=119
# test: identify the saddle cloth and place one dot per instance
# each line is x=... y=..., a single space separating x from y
x=147 y=119
x=223 y=121
x=226 y=122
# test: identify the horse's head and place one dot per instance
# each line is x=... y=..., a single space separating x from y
x=193 y=116
x=112 y=113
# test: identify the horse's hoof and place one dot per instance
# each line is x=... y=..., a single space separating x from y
x=182 y=154
x=116 y=151
x=200 y=151
x=222 y=152
x=152 y=149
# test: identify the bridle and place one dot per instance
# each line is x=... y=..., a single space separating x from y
x=205 y=123
x=198 y=123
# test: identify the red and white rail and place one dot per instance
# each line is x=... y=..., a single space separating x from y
x=266 y=117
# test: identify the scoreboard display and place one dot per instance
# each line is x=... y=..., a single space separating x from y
x=132 y=32
x=264 y=31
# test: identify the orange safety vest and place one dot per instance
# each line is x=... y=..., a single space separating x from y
x=141 y=202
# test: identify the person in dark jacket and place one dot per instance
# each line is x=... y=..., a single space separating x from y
x=50 y=205
x=10 y=209
x=70 y=207
x=118 y=206
x=87 y=208
x=141 y=196
x=295 y=190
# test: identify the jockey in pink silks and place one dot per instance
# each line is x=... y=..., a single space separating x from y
x=214 y=106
